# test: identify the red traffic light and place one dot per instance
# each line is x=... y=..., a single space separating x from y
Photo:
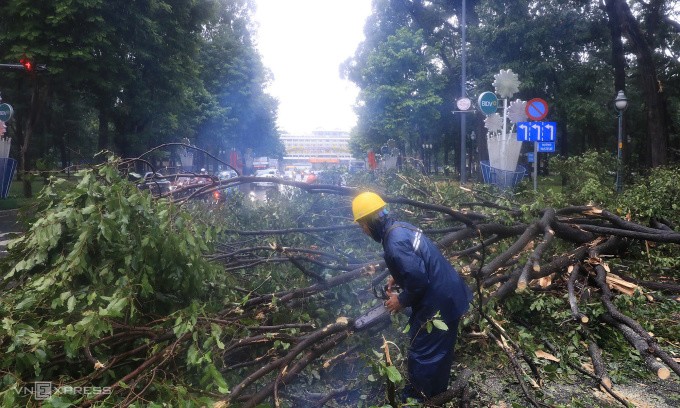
x=28 y=65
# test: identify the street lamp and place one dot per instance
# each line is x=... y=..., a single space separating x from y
x=621 y=103
x=473 y=151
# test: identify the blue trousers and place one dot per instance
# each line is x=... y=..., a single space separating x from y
x=430 y=357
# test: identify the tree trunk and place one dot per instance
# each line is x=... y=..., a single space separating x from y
x=33 y=115
x=657 y=135
x=103 y=131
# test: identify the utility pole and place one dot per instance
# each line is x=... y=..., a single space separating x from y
x=463 y=93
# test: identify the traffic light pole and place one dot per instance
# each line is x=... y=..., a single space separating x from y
x=20 y=67
x=13 y=66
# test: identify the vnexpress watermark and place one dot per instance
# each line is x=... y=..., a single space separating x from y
x=43 y=390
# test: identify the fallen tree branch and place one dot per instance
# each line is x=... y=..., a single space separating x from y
x=457 y=388
x=641 y=346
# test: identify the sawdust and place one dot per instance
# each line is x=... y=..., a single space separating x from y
x=501 y=391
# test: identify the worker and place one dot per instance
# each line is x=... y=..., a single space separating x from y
x=430 y=286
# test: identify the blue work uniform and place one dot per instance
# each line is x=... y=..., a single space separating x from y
x=429 y=284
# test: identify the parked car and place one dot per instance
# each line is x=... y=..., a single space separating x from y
x=266 y=173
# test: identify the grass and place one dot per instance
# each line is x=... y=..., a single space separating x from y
x=15 y=198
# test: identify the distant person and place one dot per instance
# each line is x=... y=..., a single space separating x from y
x=311 y=178
x=429 y=285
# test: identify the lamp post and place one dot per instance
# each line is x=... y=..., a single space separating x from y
x=473 y=151
x=621 y=103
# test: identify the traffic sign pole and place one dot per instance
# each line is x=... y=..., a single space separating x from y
x=535 y=166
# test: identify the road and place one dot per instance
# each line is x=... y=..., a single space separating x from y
x=9 y=227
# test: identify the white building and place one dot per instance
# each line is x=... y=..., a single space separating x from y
x=318 y=149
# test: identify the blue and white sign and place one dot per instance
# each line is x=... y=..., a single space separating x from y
x=488 y=103
x=530 y=157
x=546 y=147
x=536 y=131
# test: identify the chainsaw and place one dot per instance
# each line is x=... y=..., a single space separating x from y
x=379 y=313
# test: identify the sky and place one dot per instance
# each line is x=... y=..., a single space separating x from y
x=303 y=43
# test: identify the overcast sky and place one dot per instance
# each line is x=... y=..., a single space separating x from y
x=303 y=43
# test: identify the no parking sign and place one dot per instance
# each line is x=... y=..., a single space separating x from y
x=536 y=109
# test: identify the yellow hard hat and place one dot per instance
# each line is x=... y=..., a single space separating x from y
x=366 y=204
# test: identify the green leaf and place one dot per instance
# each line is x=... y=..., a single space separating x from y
x=440 y=324
x=192 y=355
x=71 y=304
x=56 y=401
x=393 y=374
x=114 y=308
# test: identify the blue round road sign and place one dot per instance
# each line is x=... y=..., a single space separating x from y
x=488 y=103
x=6 y=112
x=536 y=109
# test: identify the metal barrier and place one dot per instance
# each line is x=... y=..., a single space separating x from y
x=502 y=179
x=7 y=168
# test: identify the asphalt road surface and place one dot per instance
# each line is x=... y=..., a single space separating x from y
x=9 y=228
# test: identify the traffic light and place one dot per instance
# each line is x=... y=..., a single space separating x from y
x=27 y=63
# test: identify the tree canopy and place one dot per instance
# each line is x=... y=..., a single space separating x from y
x=127 y=76
x=574 y=54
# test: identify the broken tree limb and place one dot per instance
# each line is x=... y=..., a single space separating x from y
x=667 y=287
x=659 y=236
x=307 y=272
x=573 y=302
x=307 y=342
x=391 y=388
x=571 y=233
x=454 y=390
x=533 y=263
x=518 y=350
x=285 y=231
x=312 y=354
x=601 y=278
x=322 y=400
x=611 y=392
x=519 y=245
x=288 y=295
x=598 y=365
x=641 y=346
x=517 y=369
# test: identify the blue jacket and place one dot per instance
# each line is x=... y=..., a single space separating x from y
x=428 y=281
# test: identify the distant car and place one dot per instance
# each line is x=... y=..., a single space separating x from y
x=266 y=173
x=154 y=182
x=226 y=175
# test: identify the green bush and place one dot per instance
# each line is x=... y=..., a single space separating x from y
x=100 y=255
x=586 y=179
x=655 y=196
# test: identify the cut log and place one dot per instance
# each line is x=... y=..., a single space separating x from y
x=598 y=365
x=641 y=346
x=573 y=303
